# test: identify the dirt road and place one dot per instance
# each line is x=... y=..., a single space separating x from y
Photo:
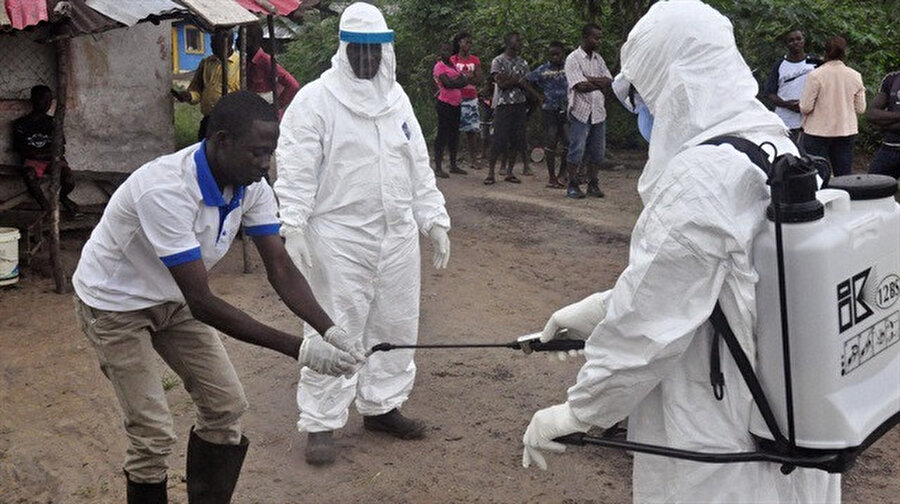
x=518 y=253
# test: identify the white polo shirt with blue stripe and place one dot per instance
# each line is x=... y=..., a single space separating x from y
x=168 y=212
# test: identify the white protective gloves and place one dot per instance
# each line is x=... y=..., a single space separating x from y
x=441 y=243
x=578 y=319
x=342 y=339
x=297 y=249
x=546 y=425
x=323 y=357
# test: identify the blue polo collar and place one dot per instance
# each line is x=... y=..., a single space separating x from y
x=212 y=196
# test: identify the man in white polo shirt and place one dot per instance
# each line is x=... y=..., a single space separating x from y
x=141 y=286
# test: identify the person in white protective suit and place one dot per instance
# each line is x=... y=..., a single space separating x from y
x=647 y=354
x=355 y=189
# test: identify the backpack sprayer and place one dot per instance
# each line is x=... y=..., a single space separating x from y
x=827 y=369
x=828 y=362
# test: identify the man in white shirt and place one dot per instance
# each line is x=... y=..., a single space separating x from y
x=786 y=80
x=588 y=79
x=141 y=286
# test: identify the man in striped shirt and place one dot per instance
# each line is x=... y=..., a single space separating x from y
x=589 y=79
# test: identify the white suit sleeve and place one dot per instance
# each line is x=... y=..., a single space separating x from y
x=428 y=202
x=298 y=157
x=668 y=290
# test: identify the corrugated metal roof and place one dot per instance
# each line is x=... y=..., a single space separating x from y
x=130 y=12
x=215 y=13
x=71 y=18
x=4 y=18
x=23 y=13
x=280 y=7
x=285 y=29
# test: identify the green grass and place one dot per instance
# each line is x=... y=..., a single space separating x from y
x=170 y=381
x=187 y=120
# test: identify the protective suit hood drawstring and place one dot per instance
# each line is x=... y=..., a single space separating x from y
x=363 y=23
x=697 y=86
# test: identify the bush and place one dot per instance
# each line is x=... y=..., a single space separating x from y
x=869 y=26
x=187 y=122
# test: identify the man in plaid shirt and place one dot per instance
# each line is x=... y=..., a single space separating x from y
x=589 y=79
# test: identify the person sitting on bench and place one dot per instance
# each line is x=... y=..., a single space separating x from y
x=33 y=141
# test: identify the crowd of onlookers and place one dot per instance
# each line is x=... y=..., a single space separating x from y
x=818 y=100
x=494 y=107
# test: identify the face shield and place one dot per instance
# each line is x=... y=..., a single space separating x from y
x=632 y=101
x=367 y=45
x=363 y=70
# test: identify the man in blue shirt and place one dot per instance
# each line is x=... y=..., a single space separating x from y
x=141 y=290
x=551 y=78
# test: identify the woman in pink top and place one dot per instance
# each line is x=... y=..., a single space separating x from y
x=470 y=66
x=833 y=96
x=450 y=83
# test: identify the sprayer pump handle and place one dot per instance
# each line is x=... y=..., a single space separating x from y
x=558 y=345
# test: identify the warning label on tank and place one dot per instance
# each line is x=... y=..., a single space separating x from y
x=875 y=339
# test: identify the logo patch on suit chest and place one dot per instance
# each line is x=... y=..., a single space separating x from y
x=405 y=128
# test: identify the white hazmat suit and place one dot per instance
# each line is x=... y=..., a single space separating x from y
x=355 y=188
x=647 y=357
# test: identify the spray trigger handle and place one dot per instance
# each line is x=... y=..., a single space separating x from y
x=532 y=343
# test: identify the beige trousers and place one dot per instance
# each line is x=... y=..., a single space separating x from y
x=125 y=343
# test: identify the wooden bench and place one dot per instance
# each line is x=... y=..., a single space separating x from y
x=10 y=171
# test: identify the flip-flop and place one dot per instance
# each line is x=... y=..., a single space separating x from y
x=489 y=181
x=513 y=179
x=555 y=186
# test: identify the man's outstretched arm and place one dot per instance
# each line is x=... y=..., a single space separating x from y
x=212 y=310
x=290 y=284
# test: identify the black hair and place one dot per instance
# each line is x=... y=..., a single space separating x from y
x=508 y=37
x=557 y=44
x=586 y=29
x=792 y=30
x=459 y=36
x=836 y=48
x=235 y=113
x=40 y=91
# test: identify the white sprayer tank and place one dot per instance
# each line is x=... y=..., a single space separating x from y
x=842 y=277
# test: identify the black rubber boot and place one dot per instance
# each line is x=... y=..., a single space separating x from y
x=213 y=469
x=396 y=425
x=320 y=448
x=146 y=493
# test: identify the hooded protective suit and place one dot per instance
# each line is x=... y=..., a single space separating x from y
x=648 y=355
x=354 y=182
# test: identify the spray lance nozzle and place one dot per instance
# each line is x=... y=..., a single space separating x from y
x=528 y=344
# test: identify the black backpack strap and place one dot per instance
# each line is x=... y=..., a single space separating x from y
x=753 y=151
x=720 y=324
x=716 y=378
x=723 y=330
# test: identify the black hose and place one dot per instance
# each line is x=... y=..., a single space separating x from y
x=580 y=439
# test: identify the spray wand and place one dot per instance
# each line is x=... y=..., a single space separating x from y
x=527 y=344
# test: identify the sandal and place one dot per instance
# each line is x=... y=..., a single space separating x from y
x=489 y=180
x=554 y=185
x=513 y=179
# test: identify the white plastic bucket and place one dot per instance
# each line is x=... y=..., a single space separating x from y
x=9 y=255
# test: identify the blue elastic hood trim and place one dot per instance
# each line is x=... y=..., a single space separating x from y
x=367 y=38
